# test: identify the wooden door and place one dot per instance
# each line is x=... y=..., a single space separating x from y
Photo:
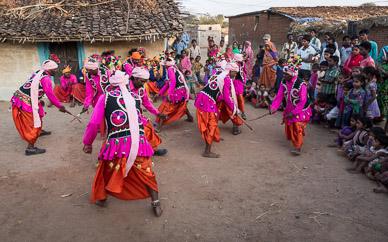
x=67 y=54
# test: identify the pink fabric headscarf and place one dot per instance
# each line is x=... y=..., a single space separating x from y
x=170 y=62
x=121 y=79
x=222 y=64
x=91 y=65
x=238 y=57
x=186 y=64
x=47 y=65
x=141 y=72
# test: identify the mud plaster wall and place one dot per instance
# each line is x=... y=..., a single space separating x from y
x=17 y=63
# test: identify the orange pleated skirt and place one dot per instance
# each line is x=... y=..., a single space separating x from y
x=151 y=136
x=153 y=88
x=109 y=180
x=208 y=126
x=24 y=122
x=61 y=94
x=295 y=132
x=78 y=91
x=174 y=111
x=241 y=102
x=225 y=114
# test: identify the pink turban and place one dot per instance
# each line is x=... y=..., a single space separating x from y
x=121 y=79
x=47 y=65
x=170 y=62
x=238 y=57
x=140 y=72
x=222 y=64
x=91 y=65
x=232 y=67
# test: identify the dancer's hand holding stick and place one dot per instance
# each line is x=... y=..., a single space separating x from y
x=75 y=117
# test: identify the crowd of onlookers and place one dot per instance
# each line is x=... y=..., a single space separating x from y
x=347 y=88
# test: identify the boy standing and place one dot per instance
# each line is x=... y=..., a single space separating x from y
x=364 y=38
x=346 y=50
x=306 y=53
x=365 y=49
x=332 y=73
x=197 y=66
x=194 y=50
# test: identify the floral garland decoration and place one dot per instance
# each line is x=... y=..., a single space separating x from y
x=112 y=60
x=54 y=58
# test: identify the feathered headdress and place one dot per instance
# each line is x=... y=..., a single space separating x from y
x=293 y=65
x=54 y=58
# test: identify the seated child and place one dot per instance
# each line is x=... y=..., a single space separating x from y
x=272 y=94
x=250 y=93
x=190 y=83
x=382 y=177
x=346 y=133
x=262 y=97
x=331 y=112
x=357 y=144
x=318 y=107
x=374 y=160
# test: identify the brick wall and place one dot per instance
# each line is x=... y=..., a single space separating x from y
x=245 y=28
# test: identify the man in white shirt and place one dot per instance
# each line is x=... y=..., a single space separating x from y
x=195 y=50
x=306 y=53
x=315 y=42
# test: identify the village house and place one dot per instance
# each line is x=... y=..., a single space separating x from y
x=279 y=21
x=32 y=30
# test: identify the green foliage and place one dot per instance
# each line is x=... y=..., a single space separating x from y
x=209 y=19
x=368 y=4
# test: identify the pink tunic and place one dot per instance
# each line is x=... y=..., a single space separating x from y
x=239 y=84
x=206 y=104
x=48 y=90
x=90 y=98
x=128 y=67
x=299 y=114
x=64 y=81
x=114 y=149
x=175 y=95
x=367 y=62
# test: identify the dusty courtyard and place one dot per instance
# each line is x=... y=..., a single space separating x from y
x=256 y=191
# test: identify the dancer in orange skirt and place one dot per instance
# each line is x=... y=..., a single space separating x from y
x=239 y=83
x=297 y=112
x=136 y=85
x=217 y=90
x=27 y=105
x=124 y=167
x=175 y=104
x=157 y=77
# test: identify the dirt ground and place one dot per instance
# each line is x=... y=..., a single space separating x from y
x=256 y=191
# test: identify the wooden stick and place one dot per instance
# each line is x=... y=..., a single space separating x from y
x=79 y=120
x=238 y=115
x=262 y=116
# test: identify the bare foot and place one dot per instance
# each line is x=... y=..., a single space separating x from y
x=158 y=210
x=190 y=119
x=210 y=155
x=341 y=152
x=370 y=176
x=380 y=190
x=102 y=203
x=221 y=139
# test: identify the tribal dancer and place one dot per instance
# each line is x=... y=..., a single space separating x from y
x=136 y=84
x=124 y=167
x=27 y=105
x=216 y=90
x=131 y=62
x=175 y=103
x=227 y=112
x=297 y=112
x=239 y=83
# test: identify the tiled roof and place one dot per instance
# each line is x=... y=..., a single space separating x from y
x=333 y=13
x=98 y=20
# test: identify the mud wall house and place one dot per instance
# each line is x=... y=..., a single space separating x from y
x=280 y=21
x=31 y=30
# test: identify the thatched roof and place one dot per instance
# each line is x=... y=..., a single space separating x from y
x=90 y=20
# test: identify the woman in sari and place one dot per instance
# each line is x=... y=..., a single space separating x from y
x=382 y=85
x=268 y=75
x=248 y=59
x=185 y=63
